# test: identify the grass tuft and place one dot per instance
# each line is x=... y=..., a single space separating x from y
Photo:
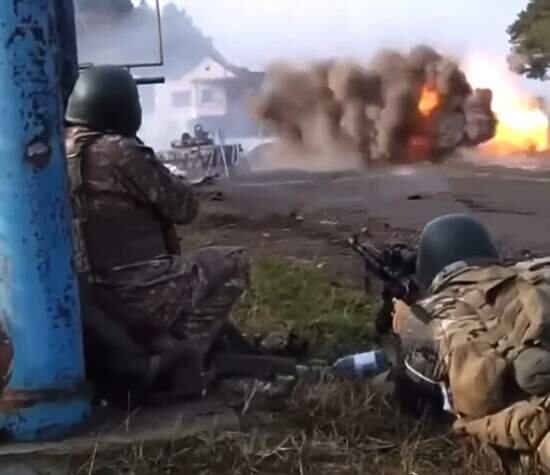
x=299 y=296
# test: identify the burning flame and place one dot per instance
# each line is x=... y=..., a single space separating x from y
x=429 y=100
x=522 y=124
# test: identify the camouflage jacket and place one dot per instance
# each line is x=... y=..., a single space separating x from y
x=124 y=200
x=466 y=337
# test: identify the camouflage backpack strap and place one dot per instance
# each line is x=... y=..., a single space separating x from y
x=76 y=146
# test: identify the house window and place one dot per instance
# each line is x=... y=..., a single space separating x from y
x=207 y=96
x=181 y=99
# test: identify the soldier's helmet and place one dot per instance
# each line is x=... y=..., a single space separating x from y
x=449 y=239
x=105 y=98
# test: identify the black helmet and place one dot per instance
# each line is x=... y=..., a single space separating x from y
x=105 y=98
x=449 y=239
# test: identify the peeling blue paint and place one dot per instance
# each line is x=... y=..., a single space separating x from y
x=38 y=287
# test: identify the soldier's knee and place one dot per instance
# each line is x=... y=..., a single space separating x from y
x=235 y=258
x=242 y=262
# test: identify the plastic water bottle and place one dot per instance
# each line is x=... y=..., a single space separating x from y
x=361 y=365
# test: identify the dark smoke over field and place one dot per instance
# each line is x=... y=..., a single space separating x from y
x=397 y=108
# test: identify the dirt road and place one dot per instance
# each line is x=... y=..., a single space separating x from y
x=512 y=199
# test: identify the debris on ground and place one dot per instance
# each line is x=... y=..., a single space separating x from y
x=327 y=222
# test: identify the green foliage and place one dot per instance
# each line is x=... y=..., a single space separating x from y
x=301 y=297
x=530 y=39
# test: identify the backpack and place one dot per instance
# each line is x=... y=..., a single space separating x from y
x=484 y=317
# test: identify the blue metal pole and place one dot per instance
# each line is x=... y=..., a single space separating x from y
x=39 y=306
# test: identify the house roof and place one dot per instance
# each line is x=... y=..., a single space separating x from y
x=241 y=77
x=238 y=72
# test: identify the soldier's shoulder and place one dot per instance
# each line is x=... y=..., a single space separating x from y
x=464 y=274
x=124 y=148
x=533 y=264
x=116 y=140
x=534 y=271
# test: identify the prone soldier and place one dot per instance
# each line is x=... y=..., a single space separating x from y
x=476 y=341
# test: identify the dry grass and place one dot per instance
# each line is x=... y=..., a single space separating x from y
x=325 y=427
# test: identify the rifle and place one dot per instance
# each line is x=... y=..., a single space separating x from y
x=394 y=266
x=204 y=180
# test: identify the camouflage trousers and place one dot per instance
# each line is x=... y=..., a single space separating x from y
x=523 y=427
x=187 y=296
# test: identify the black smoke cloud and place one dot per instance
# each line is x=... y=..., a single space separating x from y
x=372 y=110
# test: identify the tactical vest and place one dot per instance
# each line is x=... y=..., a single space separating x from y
x=477 y=320
x=107 y=238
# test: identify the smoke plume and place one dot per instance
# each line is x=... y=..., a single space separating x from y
x=398 y=107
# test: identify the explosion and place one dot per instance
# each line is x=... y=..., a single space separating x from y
x=522 y=125
x=429 y=100
x=400 y=107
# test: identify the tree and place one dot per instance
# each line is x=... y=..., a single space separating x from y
x=530 y=39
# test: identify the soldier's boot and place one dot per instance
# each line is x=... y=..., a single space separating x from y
x=179 y=373
x=162 y=342
x=230 y=339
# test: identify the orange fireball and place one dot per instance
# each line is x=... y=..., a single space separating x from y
x=522 y=127
x=429 y=100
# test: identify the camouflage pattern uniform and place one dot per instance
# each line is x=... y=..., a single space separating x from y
x=125 y=203
x=482 y=340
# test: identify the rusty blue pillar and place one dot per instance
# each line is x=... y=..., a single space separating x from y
x=41 y=358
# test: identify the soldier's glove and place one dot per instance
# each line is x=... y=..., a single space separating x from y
x=401 y=258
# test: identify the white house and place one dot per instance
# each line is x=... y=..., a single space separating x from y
x=211 y=93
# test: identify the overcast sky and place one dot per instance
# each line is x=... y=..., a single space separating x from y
x=255 y=32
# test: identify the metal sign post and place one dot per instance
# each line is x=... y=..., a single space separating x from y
x=142 y=81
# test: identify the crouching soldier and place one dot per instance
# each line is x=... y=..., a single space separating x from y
x=164 y=307
x=478 y=342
